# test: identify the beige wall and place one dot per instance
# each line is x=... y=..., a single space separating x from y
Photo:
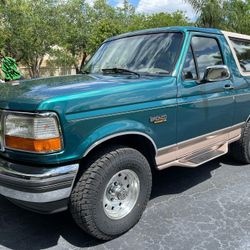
x=46 y=71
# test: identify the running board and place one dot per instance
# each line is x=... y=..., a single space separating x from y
x=198 y=158
x=203 y=157
x=196 y=151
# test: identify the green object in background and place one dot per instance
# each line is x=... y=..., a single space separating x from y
x=10 y=70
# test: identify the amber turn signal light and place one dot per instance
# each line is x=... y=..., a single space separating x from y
x=34 y=145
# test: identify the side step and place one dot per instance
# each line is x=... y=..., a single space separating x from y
x=203 y=157
x=199 y=158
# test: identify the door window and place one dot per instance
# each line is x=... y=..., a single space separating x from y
x=207 y=53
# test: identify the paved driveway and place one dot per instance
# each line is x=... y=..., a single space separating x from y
x=202 y=208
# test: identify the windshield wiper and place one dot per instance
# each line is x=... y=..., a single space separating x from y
x=162 y=73
x=119 y=71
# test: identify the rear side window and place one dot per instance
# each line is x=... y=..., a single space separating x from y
x=242 y=49
x=207 y=53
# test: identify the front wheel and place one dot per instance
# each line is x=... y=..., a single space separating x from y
x=111 y=195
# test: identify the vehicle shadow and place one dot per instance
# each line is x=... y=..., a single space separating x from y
x=176 y=180
x=20 y=229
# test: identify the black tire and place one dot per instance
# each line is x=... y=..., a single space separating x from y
x=86 y=202
x=240 y=150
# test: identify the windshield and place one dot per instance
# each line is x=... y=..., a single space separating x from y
x=151 y=54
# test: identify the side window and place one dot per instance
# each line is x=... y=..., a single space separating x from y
x=189 y=69
x=242 y=49
x=207 y=53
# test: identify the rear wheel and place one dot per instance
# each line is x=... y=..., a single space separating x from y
x=111 y=195
x=240 y=150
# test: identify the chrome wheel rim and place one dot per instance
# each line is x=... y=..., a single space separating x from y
x=121 y=194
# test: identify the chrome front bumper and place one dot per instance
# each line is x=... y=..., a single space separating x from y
x=37 y=187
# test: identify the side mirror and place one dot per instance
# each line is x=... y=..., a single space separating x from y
x=216 y=73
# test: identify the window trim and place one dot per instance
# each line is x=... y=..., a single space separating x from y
x=195 y=61
x=230 y=35
x=195 y=65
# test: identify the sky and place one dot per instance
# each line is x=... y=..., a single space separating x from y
x=154 y=6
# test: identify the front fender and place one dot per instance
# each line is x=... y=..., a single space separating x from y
x=114 y=129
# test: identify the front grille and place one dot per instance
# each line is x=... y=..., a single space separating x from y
x=1 y=131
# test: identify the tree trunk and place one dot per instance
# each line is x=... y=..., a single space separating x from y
x=30 y=72
x=34 y=73
x=78 y=71
x=35 y=66
x=79 y=68
x=84 y=57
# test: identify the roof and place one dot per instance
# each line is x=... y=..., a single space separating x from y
x=228 y=36
x=236 y=35
x=168 y=29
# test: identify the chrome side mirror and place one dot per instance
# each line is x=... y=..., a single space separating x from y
x=216 y=73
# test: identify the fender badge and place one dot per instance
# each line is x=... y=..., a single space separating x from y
x=158 y=119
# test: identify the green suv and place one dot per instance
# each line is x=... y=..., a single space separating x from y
x=152 y=99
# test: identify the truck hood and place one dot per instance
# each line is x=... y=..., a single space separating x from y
x=36 y=94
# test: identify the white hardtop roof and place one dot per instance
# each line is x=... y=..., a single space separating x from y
x=229 y=35
x=235 y=35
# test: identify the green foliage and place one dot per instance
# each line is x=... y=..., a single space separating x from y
x=83 y=28
x=27 y=31
x=232 y=15
x=211 y=14
x=103 y=23
x=238 y=16
x=70 y=30
x=166 y=19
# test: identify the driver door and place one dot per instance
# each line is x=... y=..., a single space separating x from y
x=203 y=107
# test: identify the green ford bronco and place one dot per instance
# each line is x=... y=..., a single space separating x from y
x=146 y=100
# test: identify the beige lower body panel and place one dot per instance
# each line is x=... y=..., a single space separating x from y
x=194 y=152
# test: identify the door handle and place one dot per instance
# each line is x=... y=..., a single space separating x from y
x=228 y=87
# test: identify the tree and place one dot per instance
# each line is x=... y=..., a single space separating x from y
x=104 y=23
x=129 y=20
x=68 y=30
x=210 y=12
x=83 y=28
x=232 y=15
x=238 y=16
x=177 y=18
x=28 y=31
x=72 y=33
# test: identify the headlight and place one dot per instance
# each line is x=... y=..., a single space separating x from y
x=33 y=133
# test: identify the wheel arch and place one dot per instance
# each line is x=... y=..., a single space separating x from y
x=137 y=140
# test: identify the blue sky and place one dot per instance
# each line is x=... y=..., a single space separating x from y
x=154 y=6
x=134 y=2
